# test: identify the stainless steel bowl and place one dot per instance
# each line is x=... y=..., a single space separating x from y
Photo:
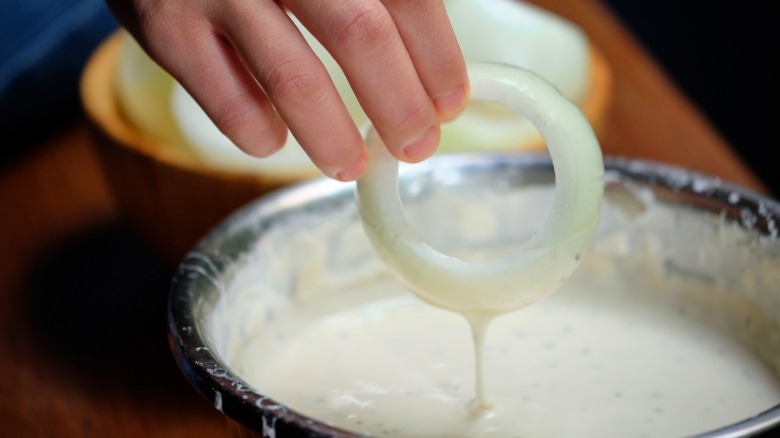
x=200 y=279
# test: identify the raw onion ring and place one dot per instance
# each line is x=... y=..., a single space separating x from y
x=543 y=263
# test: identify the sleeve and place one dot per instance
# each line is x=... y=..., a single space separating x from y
x=44 y=45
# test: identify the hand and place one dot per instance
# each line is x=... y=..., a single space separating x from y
x=250 y=69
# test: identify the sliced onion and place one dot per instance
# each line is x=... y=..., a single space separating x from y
x=547 y=259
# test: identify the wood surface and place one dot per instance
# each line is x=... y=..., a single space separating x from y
x=82 y=300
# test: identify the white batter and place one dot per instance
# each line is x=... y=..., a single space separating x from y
x=481 y=290
x=589 y=358
x=634 y=344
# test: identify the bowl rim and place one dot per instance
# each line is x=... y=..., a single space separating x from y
x=251 y=409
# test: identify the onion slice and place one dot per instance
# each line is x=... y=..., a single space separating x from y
x=543 y=263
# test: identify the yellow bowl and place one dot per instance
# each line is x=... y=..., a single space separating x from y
x=171 y=197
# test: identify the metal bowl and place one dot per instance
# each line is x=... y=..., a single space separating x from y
x=202 y=278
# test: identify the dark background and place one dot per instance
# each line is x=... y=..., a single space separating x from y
x=722 y=55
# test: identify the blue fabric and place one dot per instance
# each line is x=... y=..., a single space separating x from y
x=44 y=45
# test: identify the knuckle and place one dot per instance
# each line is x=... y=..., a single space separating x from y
x=363 y=21
x=409 y=4
x=293 y=81
x=233 y=114
x=163 y=25
x=415 y=115
x=248 y=127
x=150 y=13
x=156 y=18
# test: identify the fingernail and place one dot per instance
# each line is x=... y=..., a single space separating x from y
x=424 y=146
x=355 y=171
x=450 y=105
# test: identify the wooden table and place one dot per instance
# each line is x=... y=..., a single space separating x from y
x=87 y=356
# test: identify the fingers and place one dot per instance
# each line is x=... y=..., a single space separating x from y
x=430 y=40
x=246 y=63
x=204 y=62
x=363 y=38
x=297 y=84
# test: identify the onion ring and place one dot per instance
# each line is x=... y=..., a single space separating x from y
x=547 y=259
